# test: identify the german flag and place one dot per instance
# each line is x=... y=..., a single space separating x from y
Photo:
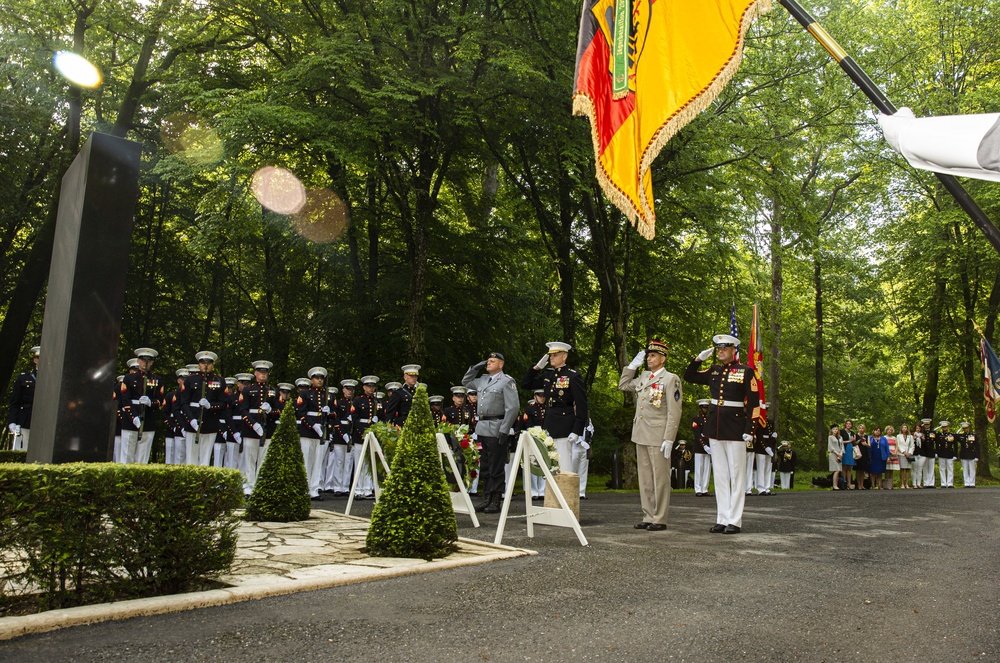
x=641 y=89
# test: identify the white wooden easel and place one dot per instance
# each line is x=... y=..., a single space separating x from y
x=460 y=501
x=369 y=452
x=563 y=516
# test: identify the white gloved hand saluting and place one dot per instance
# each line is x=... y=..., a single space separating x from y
x=265 y=407
x=204 y=403
x=257 y=428
x=318 y=429
x=144 y=400
x=543 y=362
x=666 y=448
x=637 y=360
x=705 y=354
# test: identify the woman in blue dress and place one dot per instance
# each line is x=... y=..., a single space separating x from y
x=879 y=452
x=849 y=437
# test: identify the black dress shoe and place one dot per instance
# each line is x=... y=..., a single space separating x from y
x=642 y=525
x=317 y=498
x=731 y=529
x=717 y=529
x=656 y=527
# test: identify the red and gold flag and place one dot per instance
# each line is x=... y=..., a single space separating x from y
x=755 y=359
x=675 y=58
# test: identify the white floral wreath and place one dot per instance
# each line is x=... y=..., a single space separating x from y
x=546 y=448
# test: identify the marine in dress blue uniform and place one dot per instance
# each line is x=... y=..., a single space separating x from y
x=22 y=400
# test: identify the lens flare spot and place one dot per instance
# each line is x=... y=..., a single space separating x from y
x=278 y=190
x=324 y=217
x=190 y=138
x=76 y=69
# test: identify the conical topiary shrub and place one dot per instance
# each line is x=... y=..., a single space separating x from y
x=281 y=494
x=414 y=516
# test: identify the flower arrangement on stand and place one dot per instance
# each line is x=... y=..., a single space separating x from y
x=547 y=448
x=388 y=438
x=470 y=454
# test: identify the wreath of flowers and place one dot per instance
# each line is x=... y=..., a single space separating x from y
x=547 y=447
x=470 y=453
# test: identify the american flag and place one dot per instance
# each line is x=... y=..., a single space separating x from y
x=734 y=329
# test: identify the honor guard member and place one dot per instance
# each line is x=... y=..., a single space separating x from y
x=534 y=415
x=224 y=440
x=786 y=464
x=313 y=411
x=172 y=425
x=681 y=464
x=497 y=409
x=658 y=403
x=471 y=399
x=437 y=409
x=366 y=413
x=763 y=450
x=928 y=444
x=454 y=414
x=397 y=409
x=203 y=401
x=285 y=390
x=583 y=462
x=701 y=449
x=947 y=450
x=380 y=401
x=341 y=434
x=256 y=407
x=968 y=452
x=142 y=396
x=116 y=452
x=567 y=415
x=22 y=399
x=732 y=409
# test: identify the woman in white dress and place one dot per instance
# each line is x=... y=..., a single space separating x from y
x=905 y=447
x=835 y=447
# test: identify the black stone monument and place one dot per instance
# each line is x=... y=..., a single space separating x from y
x=74 y=413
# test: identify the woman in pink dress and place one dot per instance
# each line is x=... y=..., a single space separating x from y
x=892 y=463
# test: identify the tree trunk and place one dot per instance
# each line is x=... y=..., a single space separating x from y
x=821 y=430
x=933 y=348
x=777 y=289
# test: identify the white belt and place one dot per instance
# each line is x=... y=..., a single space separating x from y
x=344 y=422
x=727 y=403
x=254 y=411
x=312 y=414
x=236 y=417
x=195 y=403
x=364 y=421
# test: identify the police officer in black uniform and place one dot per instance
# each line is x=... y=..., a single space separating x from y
x=397 y=409
x=566 y=415
x=733 y=407
x=22 y=399
x=142 y=396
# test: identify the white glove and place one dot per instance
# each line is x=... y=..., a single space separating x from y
x=976 y=459
x=705 y=354
x=543 y=362
x=194 y=425
x=374 y=420
x=708 y=450
x=769 y=452
x=666 y=448
x=318 y=429
x=238 y=438
x=204 y=403
x=136 y=422
x=265 y=407
x=257 y=428
x=573 y=438
x=347 y=438
x=747 y=437
x=12 y=428
x=637 y=360
x=144 y=400
x=474 y=436
x=326 y=409
x=585 y=445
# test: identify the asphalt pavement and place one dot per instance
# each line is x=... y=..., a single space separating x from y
x=814 y=576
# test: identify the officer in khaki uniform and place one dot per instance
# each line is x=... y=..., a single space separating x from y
x=657 y=416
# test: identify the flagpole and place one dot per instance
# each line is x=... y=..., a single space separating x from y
x=877 y=97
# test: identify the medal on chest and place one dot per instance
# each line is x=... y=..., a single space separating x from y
x=656 y=394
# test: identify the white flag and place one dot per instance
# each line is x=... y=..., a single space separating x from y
x=961 y=145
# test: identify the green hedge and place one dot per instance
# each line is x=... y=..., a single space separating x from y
x=86 y=532
x=12 y=456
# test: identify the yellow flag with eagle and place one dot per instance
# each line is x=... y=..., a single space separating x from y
x=644 y=69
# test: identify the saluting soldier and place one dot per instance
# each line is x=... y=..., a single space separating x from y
x=567 y=414
x=454 y=414
x=22 y=399
x=968 y=452
x=658 y=403
x=733 y=407
x=947 y=449
x=313 y=411
x=534 y=415
x=203 y=400
x=701 y=449
x=497 y=409
x=256 y=407
x=142 y=396
x=173 y=422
